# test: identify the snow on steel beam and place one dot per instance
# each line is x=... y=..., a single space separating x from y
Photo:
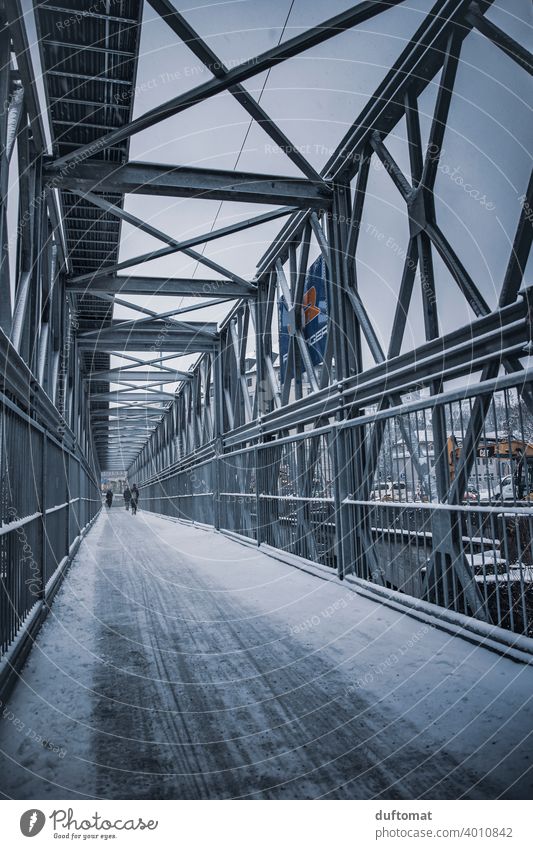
x=147 y=178
x=124 y=436
x=139 y=411
x=128 y=376
x=120 y=443
x=116 y=427
x=123 y=457
x=151 y=415
x=161 y=286
x=116 y=424
x=131 y=434
x=137 y=395
x=250 y=68
x=180 y=344
x=151 y=326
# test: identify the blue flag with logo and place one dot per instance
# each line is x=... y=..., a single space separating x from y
x=315 y=316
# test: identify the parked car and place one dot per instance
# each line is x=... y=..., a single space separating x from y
x=391 y=491
x=504 y=491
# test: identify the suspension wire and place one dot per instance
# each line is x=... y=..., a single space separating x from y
x=248 y=129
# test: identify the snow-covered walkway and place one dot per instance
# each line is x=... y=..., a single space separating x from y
x=177 y=663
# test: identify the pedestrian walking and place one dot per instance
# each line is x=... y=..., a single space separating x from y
x=127 y=497
x=134 y=499
x=109 y=498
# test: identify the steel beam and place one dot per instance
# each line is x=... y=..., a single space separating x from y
x=124 y=395
x=500 y=38
x=147 y=178
x=128 y=341
x=125 y=285
x=154 y=325
x=116 y=375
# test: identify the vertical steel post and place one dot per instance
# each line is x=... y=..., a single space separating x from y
x=218 y=383
x=262 y=405
x=347 y=550
x=5 y=90
x=43 y=508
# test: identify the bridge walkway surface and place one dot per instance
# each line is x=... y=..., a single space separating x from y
x=178 y=663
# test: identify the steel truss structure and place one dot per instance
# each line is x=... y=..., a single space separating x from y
x=293 y=457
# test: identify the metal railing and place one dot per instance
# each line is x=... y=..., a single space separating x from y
x=48 y=497
x=468 y=549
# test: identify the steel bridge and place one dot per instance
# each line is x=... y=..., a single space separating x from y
x=391 y=448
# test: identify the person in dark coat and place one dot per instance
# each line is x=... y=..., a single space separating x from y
x=134 y=498
x=109 y=498
x=127 y=497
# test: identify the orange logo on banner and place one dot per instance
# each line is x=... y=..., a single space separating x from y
x=309 y=304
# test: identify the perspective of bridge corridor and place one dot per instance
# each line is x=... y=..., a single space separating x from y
x=266 y=418
x=179 y=663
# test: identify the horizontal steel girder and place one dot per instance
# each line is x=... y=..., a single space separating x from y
x=126 y=441
x=138 y=341
x=115 y=449
x=171 y=181
x=156 y=326
x=116 y=429
x=120 y=376
x=124 y=285
x=118 y=442
x=133 y=436
x=143 y=411
x=183 y=338
x=148 y=419
x=132 y=396
x=144 y=414
x=125 y=454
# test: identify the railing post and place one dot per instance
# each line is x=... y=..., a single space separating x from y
x=67 y=498
x=43 y=506
x=258 y=489
x=81 y=505
x=218 y=431
x=345 y=556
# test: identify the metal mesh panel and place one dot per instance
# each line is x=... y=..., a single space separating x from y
x=185 y=495
x=297 y=505
x=38 y=524
x=238 y=511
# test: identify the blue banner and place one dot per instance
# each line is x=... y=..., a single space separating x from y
x=315 y=316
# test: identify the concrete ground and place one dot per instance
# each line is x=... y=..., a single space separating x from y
x=178 y=664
